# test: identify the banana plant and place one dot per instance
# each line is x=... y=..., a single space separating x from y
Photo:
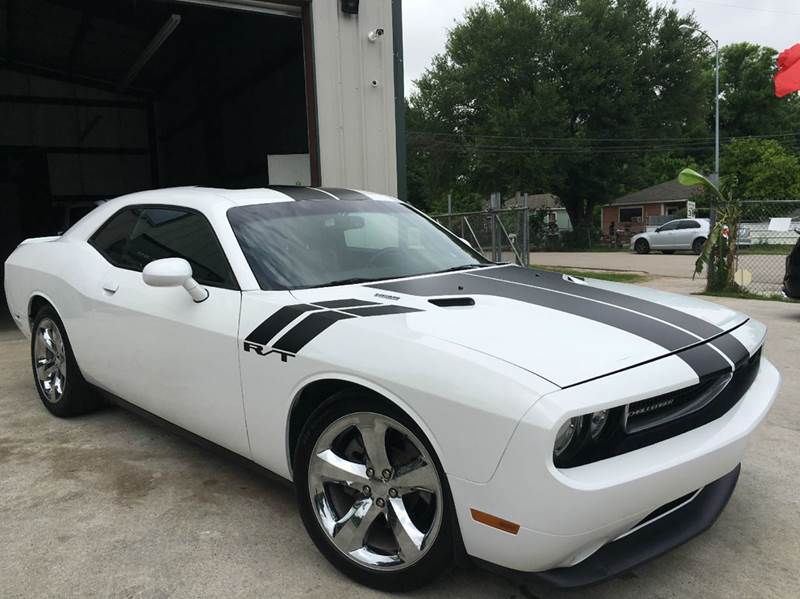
x=720 y=247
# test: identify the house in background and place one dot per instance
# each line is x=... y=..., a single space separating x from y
x=547 y=204
x=648 y=208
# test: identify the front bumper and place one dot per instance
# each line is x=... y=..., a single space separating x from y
x=566 y=516
x=658 y=536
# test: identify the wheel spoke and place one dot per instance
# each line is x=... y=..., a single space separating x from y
x=349 y=533
x=47 y=337
x=417 y=475
x=332 y=468
x=409 y=538
x=373 y=435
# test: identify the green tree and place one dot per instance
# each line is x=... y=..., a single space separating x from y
x=748 y=105
x=565 y=96
x=761 y=169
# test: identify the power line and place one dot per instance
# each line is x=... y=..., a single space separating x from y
x=683 y=140
x=750 y=8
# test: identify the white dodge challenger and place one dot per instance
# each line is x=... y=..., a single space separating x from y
x=430 y=407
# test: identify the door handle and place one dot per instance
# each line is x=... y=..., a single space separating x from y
x=110 y=287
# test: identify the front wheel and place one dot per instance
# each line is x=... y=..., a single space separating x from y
x=642 y=246
x=372 y=495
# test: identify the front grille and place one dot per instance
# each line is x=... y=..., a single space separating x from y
x=655 y=411
x=656 y=419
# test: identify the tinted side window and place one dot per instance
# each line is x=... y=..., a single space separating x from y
x=174 y=233
x=111 y=240
x=690 y=224
x=135 y=237
x=670 y=226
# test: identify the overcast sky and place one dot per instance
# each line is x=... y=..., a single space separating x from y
x=774 y=23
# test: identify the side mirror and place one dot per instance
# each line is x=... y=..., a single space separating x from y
x=174 y=272
x=658 y=230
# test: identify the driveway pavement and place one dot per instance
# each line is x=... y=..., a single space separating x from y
x=767 y=270
x=109 y=505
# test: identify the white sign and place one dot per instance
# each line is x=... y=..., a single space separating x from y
x=691 y=208
x=780 y=224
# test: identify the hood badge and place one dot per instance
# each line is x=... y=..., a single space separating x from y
x=387 y=297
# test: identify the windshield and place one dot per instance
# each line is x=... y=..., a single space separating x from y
x=294 y=245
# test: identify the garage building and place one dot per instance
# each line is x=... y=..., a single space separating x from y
x=100 y=98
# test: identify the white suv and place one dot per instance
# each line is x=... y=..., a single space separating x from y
x=683 y=234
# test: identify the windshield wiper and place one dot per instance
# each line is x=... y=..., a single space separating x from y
x=353 y=281
x=463 y=267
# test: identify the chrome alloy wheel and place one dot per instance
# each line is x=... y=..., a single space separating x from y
x=375 y=491
x=50 y=360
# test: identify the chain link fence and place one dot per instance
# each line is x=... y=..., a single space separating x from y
x=773 y=232
x=500 y=235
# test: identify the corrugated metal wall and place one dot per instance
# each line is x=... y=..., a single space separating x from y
x=356 y=118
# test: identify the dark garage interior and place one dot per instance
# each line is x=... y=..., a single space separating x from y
x=100 y=98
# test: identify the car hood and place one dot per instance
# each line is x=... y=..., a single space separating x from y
x=564 y=329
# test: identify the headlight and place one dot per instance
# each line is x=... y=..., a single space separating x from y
x=568 y=435
x=597 y=423
x=582 y=439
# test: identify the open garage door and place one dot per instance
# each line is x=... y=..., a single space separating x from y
x=99 y=98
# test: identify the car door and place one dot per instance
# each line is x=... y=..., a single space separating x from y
x=686 y=233
x=664 y=237
x=155 y=347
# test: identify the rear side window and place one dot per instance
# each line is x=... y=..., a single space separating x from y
x=690 y=224
x=111 y=239
x=136 y=236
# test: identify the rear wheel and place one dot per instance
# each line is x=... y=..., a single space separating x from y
x=372 y=495
x=61 y=387
x=697 y=245
x=642 y=246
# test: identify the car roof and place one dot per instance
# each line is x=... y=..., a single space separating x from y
x=204 y=198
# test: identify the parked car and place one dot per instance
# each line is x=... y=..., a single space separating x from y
x=428 y=405
x=686 y=234
x=791 y=281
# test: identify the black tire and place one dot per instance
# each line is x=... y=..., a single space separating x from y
x=76 y=396
x=642 y=246
x=697 y=245
x=436 y=559
x=668 y=252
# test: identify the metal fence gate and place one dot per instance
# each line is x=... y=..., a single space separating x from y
x=501 y=235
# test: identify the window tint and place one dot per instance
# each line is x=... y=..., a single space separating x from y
x=690 y=224
x=111 y=239
x=133 y=238
x=674 y=225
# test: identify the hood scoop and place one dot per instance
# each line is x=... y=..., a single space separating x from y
x=453 y=302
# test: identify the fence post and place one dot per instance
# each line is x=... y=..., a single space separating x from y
x=526 y=235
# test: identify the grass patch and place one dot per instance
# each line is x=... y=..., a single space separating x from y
x=766 y=249
x=603 y=275
x=772 y=297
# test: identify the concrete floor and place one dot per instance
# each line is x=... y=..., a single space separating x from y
x=109 y=505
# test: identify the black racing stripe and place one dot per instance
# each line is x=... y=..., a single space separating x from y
x=345 y=303
x=273 y=325
x=301 y=193
x=733 y=348
x=704 y=360
x=307 y=329
x=461 y=284
x=556 y=282
x=382 y=310
x=345 y=194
